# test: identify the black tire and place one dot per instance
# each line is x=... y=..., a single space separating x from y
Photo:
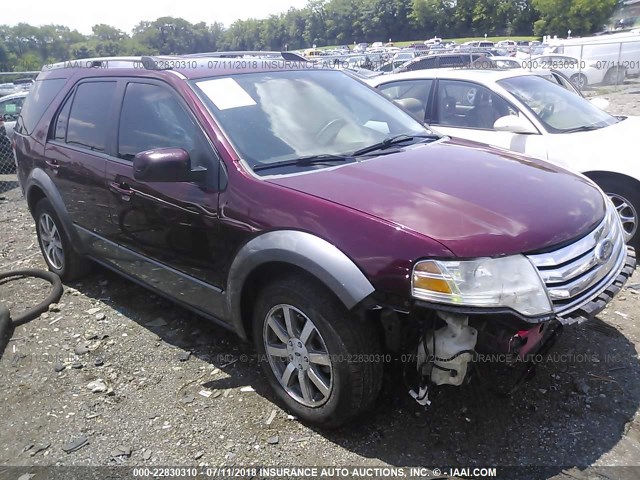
x=626 y=190
x=353 y=346
x=72 y=265
x=615 y=76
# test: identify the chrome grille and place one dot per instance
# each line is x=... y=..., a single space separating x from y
x=577 y=273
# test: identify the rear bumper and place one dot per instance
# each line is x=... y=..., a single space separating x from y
x=599 y=302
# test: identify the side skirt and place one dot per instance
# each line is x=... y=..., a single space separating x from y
x=189 y=292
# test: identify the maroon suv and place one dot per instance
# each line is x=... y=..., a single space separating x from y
x=302 y=209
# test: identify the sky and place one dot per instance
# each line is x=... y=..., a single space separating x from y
x=125 y=14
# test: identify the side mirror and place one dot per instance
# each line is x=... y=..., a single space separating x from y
x=601 y=103
x=514 y=124
x=166 y=165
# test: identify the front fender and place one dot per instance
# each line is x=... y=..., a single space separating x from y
x=304 y=250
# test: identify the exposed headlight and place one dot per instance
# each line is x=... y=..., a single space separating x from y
x=511 y=282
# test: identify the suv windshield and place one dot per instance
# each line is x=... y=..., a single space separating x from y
x=285 y=115
x=558 y=109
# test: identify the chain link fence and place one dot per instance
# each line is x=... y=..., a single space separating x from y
x=8 y=178
x=599 y=65
x=12 y=96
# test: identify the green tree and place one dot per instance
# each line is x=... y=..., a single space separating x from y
x=107 y=33
x=315 y=26
x=582 y=17
x=343 y=21
x=431 y=18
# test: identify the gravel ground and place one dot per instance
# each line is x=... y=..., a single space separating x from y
x=172 y=389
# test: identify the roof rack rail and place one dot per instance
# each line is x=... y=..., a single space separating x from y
x=150 y=62
x=290 y=56
x=98 y=62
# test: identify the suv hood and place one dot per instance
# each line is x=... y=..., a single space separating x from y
x=474 y=199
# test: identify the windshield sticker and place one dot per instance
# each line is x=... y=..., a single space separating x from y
x=382 y=127
x=226 y=93
x=10 y=108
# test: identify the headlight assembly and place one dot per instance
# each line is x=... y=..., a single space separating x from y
x=510 y=282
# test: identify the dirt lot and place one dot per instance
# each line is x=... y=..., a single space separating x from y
x=164 y=407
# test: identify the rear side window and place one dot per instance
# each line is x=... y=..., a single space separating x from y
x=411 y=94
x=38 y=100
x=88 y=118
x=430 y=62
x=453 y=61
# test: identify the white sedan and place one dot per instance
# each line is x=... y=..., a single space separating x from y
x=581 y=72
x=525 y=112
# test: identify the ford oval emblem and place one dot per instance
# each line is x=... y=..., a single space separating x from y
x=603 y=251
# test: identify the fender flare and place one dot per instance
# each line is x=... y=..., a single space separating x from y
x=304 y=250
x=38 y=178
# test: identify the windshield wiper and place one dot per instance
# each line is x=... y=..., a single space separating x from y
x=328 y=158
x=303 y=161
x=583 y=128
x=390 y=141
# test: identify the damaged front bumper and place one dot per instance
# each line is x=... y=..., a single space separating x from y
x=454 y=340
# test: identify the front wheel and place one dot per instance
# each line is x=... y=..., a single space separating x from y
x=580 y=81
x=323 y=364
x=626 y=199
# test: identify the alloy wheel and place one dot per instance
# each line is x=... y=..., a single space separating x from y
x=580 y=81
x=51 y=241
x=298 y=355
x=627 y=213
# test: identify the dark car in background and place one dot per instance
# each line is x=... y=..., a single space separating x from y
x=304 y=210
x=445 y=60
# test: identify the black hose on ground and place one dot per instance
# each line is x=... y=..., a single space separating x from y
x=8 y=324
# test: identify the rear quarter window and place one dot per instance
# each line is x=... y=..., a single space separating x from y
x=38 y=100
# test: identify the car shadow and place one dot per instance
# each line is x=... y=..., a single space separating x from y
x=570 y=414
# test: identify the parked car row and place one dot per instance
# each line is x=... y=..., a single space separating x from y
x=307 y=212
x=586 y=61
x=581 y=72
x=17 y=86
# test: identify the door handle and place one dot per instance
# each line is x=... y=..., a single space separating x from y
x=53 y=164
x=121 y=189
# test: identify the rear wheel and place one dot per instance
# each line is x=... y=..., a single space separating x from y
x=322 y=363
x=56 y=247
x=615 y=76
